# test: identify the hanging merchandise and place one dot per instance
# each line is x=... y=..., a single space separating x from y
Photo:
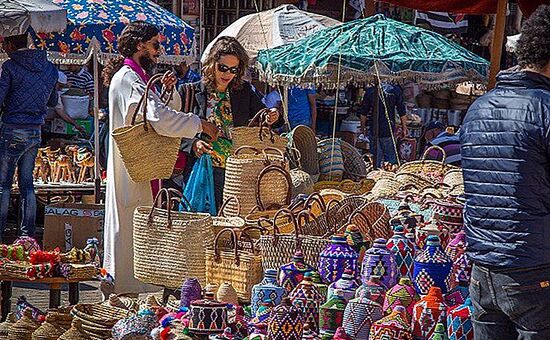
x=331 y=315
x=266 y=290
x=395 y=326
x=286 y=322
x=402 y=294
x=347 y=284
x=207 y=315
x=403 y=249
x=359 y=315
x=379 y=261
x=373 y=290
x=291 y=274
x=459 y=321
x=427 y=312
x=190 y=291
x=307 y=297
x=432 y=267
x=336 y=258
x=199 y=189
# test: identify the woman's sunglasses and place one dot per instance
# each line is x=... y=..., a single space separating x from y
x=224 y=68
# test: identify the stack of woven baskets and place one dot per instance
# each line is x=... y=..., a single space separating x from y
x=97 y=320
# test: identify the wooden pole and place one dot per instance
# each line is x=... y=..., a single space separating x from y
x=370 y=8
x=498 y=40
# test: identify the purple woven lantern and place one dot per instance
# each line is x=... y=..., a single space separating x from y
x=379 y=261
x=336 y=258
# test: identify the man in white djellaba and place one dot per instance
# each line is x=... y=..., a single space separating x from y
x=127 y=77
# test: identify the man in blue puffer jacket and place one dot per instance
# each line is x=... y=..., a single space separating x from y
x=27 y=87
x=506 y=162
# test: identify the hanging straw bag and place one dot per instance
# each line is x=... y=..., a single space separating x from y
x=169 y=245
x=278 y=249
x=242 y=268
x=146 y=154
x=241 y=173
x=259 y=137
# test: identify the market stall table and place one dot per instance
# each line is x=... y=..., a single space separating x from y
x=55 y=284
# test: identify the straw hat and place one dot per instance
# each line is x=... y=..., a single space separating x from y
x=75 y=332
x=49 y=330
x=123 y=302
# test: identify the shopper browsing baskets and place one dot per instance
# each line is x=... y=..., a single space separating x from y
x=225 y=99
x=127 y=78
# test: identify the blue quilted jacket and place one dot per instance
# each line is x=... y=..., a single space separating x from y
x=506 y=162
x=27 y=87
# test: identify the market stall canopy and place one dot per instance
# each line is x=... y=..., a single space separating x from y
x=272 y=28
x=367 y=48
x=98 y=23
x=16 y=16
x=465 y=6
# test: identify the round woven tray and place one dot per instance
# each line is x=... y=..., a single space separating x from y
x=97 y=315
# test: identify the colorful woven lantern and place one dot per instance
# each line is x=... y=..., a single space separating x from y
x=207 y=316
x=373 y=290
x=307 y=298
x=341 y=334
x=462 y=267
x=402 y=294
x=190 y=291
x=440 y=333
x=359 y=315
x=403 y=250
x=459 y=323
x=331 y=315
x=286 y=322
x=336 y=258
x=309 y=334
x=347 y=284
x=427 y=312
x=458 y=294
x=318 y=282
x=394 y=326
x=432 y=267
x=459 y=240
x=433 y=228
x=266 y=290
x=293 y=273
x=379 y=261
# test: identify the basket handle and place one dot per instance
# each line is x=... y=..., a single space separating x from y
x=332 y=203
x=269 y=149
x=315 y=197
x=235 y=245
x=142 y=104
x=262 y=230
x=242 y=234
x=266 y=170
x=435 y=147
x=408 y=186
x=247 y=147
x=260 y=115
x=157 y=204
x=281 y=212
x=221 y=213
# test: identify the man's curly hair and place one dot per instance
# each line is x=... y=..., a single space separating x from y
x=533 y=49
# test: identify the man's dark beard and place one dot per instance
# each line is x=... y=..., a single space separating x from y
x=147 y=64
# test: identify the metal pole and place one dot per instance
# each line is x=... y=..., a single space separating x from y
x=376 y=123
x=97 y=174
x=498 y=40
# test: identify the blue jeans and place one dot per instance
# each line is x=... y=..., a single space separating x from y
x=18 y=148
x=511 y=304
x=385 y=151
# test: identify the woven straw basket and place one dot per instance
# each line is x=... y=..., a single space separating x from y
x=24 y=327
x=355 y=167
x=241 y=175
x=302 y=138
x=168 y=245
x=146 y=154
x=242 y=268
x=425 y=167
x=259 y=137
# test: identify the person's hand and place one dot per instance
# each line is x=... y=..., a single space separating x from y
x=201 y=147
x=210 y=129
x=169 y=80
x=272 y=116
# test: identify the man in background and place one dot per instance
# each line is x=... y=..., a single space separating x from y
x=27 y=87
x=505 y=141
x=79 y=78
x=302 y=108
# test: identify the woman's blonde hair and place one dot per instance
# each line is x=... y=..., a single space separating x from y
x=222 y=47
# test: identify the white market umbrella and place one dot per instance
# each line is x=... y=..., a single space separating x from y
x=16 y=16
x=272 y=28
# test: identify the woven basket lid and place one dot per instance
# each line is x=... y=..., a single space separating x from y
x=123 y=302
x=50 y=329
x=6 y=325
x=75 y=332
x=24 y=326
x=303 y=139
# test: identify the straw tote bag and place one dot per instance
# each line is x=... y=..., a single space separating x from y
x=259 y=137
x=169 y=245
x=241 y=267
x=146 y=154
x=241 y=175
x=278 y=249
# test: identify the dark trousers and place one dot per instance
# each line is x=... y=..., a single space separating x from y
x=511 y=304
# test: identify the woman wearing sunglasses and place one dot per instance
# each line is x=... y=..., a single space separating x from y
x=225 y=99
